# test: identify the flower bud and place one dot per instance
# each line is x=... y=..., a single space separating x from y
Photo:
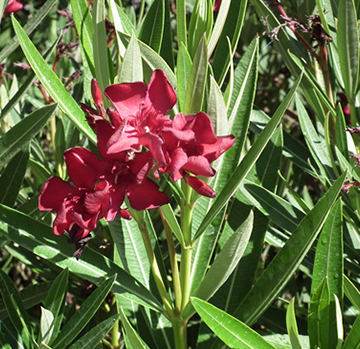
x=96 y=93
x=199 y=186
x=125 y=214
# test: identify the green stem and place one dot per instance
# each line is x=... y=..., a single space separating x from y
x=180 y=335
x=173 y=263
x=185 y=275
x=181 y=22
x=114 y=335
x=156 y=270
x=141 y=13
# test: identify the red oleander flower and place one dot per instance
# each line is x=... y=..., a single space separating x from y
x=13 y=6
x=196 y=154
x=140 y=115
x=69 y=203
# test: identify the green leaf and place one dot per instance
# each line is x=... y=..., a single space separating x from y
x=351 y=292
x=182 y=73
x=230 y=31
x=216 y=110
x=248 y=161
x=22 y=133
x=52 y=84
x=83 y=315
x=11 y=298
x=352 y=340
x=29 y=27
x=3 y=342
x=231 y=331
x=348 y=43
x=329 y=260
x=92 y=338
x=83 y=22
x=131 y=68
x=46 y=325
x=316 y=144
x=341 y=135
x=39 y=238
x=167 y=51
x=225 y=262
x=240 y=107
x=12 y=178
x=172 y=221
x=30 y=296
x=292 y=326
x=195 y=88
x=101 y=59
x=288 y=259
x=55 y=300
x=133 y=338
x=319 y=317
x=152 y=29
x=27 y=84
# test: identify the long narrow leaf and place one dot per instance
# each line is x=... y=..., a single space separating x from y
x=247 y=162
x=52 y=83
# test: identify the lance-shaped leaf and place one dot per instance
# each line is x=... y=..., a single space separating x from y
x=172 y=221
x=231 y=331
x=22 y=133
x=225 y=263
x=133 y=339
x=39 y=238
x=292 y=326
x=29 y=27
x=15 y=308
x=152 y=28
x=12 y=178
x=83 y=315
x=247 y=162
x=52 y=83
x=329 y=261
x=55 y=300
x=30 y=296
x=352 y=292
x=184 y=64
x=195 y=89
x=92 y=338
x=287 y=260
x=319 y=317
x=348 y=46
x=131 y=68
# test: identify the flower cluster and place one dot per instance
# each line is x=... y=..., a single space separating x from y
x=129 y=138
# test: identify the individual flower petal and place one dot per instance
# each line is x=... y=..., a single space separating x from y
x=53 y=194
x=161 y=94
x=147 y=196
x=127 y=97
x=178 y=160
x=203 y=128
x=199 y=166
x=83 y=166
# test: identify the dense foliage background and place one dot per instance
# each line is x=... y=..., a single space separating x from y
x=272 y=261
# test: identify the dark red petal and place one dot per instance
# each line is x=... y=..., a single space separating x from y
x=62 y=221
x=147 y=196
x=200 y=186
x=161 y=94
x=213 y=151
x=127 y=97
x=141 y=166
x=217 y=5
x=117 y=199
x=199 y=166
x=178 y=160
x=99 y=200
x=53 y=194
x=114 y=117
x=83 y=166
x=155 y=144
x=203 y=128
